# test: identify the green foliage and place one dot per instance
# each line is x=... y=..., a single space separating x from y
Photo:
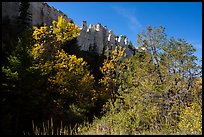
x=20 y=84
x=13 y=28
x=25 y=17
x=130 y=45
x=154 y=94
x=41 y=81
x=44 y=75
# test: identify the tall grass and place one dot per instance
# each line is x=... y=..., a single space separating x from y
x=48 y=128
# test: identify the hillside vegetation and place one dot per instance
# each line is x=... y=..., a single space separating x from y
x=51 y=87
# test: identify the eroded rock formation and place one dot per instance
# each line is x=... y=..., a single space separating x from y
x=94 y=38
x=97 y=38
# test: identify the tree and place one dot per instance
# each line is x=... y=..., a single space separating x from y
x=111 y=69
x=71 y=21
x=12 y=29
x=17 y=76
x=130 y=45
x=25 y=17
x=180 y=59
x=155 y=86
x=21 y=88
x=40 y=80
x=174 y=65
x=66 y=74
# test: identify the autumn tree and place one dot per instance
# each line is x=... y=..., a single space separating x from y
x=69 y=80
x=112 y=69
x=155 y=86
x=40 y=80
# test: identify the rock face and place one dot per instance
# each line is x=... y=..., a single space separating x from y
x=95 y=38
x=41 y=12
x=10 y=9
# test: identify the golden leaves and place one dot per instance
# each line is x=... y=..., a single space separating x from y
x=66 y=73
x=191 y=118
x=64 y=31
x=52 y=38
x=112 y=69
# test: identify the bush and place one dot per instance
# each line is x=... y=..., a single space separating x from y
x=150 y=91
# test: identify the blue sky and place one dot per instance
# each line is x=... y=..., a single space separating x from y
x=180 y=19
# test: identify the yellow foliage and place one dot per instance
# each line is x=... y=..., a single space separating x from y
x=191 y=115
x=112 y=69
x=197 y=87
x=48 y=41
x=64 y=31
x=67 y=74
x=40 y=33
x=191 y=118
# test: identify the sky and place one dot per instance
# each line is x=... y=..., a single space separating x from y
x=180 y=19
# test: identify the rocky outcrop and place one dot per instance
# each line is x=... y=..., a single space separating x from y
x=41 y=12
x=95 y=38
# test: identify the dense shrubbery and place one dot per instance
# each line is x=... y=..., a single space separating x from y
x=157 y=91
x=41 y=81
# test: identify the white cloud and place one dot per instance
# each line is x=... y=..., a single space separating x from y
x=130 y=15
